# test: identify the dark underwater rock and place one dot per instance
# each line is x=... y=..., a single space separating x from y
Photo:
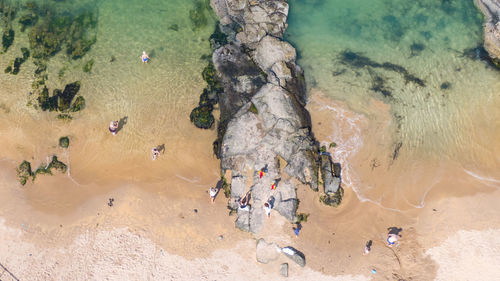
x=28 y=20
x=66 y=97
x=7 y=39
x=17 y=62
x=202 y=117
x=78 y=104
x=64 y=142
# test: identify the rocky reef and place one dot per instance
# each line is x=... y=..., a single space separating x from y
x=51 y=27
x=24 y=172
x=264 y=142
x=491 y=11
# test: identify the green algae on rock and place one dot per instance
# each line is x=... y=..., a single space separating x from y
x=24 y=172
x=332 y=199
x=61 y=100
x=47 y=170
x=7 y=39
x=15 y=65
x=64 y=142
x=202 y=116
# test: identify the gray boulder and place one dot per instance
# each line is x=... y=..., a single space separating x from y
x=284 y=269
x=271 y=50
x=243 y=220
x=331 y=183
x=266 y=252
x=287 y=208
x=295 y=255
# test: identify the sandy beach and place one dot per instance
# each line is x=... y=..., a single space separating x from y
x=169 y=230
x=161 y=224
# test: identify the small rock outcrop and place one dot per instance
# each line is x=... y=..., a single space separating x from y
x=295 y=255
x=491 y=11
x=267 y=252
x=284 y=269
x=263 y=121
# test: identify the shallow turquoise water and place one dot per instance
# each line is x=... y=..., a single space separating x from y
x=453 y=116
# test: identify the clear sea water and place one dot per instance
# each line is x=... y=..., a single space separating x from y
x=454 y=117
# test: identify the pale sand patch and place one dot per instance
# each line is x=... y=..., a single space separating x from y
x=468 y=255
x=119 y=254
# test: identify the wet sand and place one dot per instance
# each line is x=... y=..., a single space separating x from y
x=153 y=231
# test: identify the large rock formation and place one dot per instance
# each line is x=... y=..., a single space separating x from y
x=263 y=122
x=491 y=10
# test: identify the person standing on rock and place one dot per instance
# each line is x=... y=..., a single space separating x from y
x=244 y=202
x=267 y=209
x=113 y=127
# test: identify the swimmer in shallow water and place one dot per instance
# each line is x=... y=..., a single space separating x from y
x=144 y=57
x=113 y=127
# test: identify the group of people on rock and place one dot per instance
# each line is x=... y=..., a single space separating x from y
x=244 y=202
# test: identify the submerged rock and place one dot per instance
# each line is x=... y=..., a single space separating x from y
x=7 y=38
x=64 y=142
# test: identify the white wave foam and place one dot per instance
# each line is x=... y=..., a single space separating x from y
x=486 y=180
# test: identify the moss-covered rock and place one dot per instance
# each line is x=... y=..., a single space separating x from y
x=47 y=102
x=78 y=105
x=24 y=172
x=64 y=117
x=218 y=38
x=15 y=65
x=64 y=142
x=47 y=170
x=202 y=116
x=28 y=20
x=334 y=199
x=58 y=165
x=66 y=97
x=7 y=39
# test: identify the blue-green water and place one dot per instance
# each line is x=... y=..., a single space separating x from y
x=454 y=117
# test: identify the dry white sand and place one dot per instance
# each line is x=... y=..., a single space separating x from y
x=119 y=254
x=469 y=255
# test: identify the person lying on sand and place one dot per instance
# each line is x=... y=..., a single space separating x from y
x=392 y=239
x=213 y=193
